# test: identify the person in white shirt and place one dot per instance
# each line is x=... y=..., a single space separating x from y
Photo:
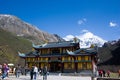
x=35 y=72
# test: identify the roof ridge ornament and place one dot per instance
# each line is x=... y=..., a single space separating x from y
x=44 y=44
x=21 y=54
x=70 y=52
x=38 y=46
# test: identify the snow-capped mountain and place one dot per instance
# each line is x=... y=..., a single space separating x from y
x=20 y=28
x=86 y=39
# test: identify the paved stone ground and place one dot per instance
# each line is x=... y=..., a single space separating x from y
x=50 y=77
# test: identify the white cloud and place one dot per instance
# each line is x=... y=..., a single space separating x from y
x=82 y=21
x=112 y=24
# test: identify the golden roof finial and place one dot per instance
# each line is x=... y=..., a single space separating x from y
x=92 y=46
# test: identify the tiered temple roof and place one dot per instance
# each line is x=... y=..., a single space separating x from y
x=79 y=51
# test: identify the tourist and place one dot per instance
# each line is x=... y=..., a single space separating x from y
x=35 y=72
x=108 y=73
x=31 y=72
x=103 y=73
x=100 y=73
x=45 y=73
x=4 y=71
x=40 y=71
x=26 y=70
x=18 y=71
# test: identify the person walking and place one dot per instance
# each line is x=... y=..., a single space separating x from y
x=45 y=73
x=100 y=73
x=18 y=71
x=108 y=73
x=4 y=71
x=103 y=73
x=35 y=72
x=31 y=73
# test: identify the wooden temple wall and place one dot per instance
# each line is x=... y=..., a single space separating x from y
x=67 y=64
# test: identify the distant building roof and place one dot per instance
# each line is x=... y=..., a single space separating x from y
x=83 y=51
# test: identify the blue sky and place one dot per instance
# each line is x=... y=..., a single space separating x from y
x=68 y=17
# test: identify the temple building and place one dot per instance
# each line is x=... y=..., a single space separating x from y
x=62 y=57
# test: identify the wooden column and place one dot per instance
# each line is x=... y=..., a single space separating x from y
x=76 y=70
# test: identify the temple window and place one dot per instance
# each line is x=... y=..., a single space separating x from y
x=89 y=65
x=65 y=58
x=84 y=65
x=79 y=58
x=54 y=51
x=82 y=57
x=89 y=57
x=86 y=57
x=69 y=66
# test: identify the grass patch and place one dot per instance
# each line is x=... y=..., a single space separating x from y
x=114 y=75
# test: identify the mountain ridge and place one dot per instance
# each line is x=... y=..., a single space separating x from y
x=20 y=28
x=109 y=56
x=15 y=25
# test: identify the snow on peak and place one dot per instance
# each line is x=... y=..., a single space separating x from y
x=6 y=15
x=86 y=39
x=87 y=35
x=68 y=37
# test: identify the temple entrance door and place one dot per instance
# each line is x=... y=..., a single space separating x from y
x=55 y=66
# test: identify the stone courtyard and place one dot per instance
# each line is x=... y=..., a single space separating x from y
x=50 y=77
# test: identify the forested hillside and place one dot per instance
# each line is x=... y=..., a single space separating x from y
x=10 y=45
